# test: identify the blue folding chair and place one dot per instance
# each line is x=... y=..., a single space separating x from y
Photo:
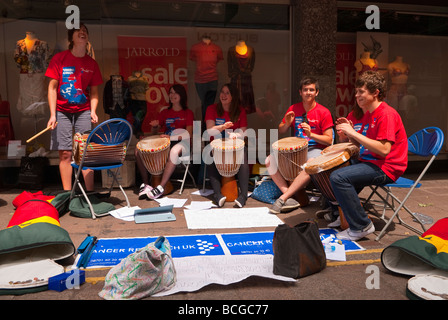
x=105 y=149
x=425 y=143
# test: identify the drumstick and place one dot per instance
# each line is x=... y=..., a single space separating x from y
x=38 y=134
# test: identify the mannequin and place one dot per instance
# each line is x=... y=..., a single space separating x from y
x=240 y=62
x=365 y=62
x=206 y=55
x=138 y=85
x=115 y=100
x=398 y=75
x=32 y=57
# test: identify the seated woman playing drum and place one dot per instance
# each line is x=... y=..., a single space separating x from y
x=228 y=119
x=176 y=116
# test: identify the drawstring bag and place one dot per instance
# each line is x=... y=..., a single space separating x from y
x=80 y=208
x=141 y=274
x=298 y=251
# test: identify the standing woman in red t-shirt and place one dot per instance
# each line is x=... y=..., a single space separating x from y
x=225 y=115
x=72 y=104
x=176 y=116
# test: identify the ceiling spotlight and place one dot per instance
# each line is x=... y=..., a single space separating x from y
x=216 y=8
x=176 y=7
x=255 y=9
x=134 y=5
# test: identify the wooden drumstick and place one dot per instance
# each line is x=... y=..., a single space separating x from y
x=38 y=134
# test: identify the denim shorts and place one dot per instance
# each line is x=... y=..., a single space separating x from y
x=68 y=125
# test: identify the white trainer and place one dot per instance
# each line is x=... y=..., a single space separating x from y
x=355 y=235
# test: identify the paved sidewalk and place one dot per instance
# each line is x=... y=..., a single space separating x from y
x=340 y=280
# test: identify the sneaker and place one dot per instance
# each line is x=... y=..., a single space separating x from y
x=220 y=200
x=290 y=205
x=143 y=191
x=335 y=224
x=355 y=235
x=277 y=206
x=240 y=201
x=155 y=193
x=321 y=213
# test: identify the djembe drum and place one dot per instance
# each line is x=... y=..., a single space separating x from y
x=331 y=159
x=228 y=155
x=291 y=154
x=154 y=151
x=104 y=154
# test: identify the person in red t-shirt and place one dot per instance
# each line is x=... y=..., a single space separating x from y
x=311 y=121
x=384 y=159
x=228 y=118
x=169 y=124
x=73 y=100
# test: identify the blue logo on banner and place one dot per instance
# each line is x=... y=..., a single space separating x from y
x=109 y=252
x=249 y=243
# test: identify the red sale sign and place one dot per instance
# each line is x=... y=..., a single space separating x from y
x=345 y=78
x=161 y=62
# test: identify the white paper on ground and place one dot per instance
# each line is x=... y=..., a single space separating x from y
x=231 y=218
x=193 y=273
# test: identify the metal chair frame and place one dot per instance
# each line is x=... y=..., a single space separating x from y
x=103 y=134
x=426 y=143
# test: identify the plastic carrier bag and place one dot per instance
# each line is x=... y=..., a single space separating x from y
x=141 y=274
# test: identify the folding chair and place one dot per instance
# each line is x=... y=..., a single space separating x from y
x=185 y=161
x=103 y=149
x=425 y=143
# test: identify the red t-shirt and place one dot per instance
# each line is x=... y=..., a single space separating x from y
x=385 y=124
x=319 y=119
x=170 y=120
x=74 y=75
x=360 y=125
x=212 y=114
x=206 y=57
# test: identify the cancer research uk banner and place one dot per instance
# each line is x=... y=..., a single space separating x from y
x=162 y=60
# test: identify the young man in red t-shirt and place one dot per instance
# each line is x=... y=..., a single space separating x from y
x=383 y=160
x=311 y=121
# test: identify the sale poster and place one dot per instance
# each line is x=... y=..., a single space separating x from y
x=160 y=62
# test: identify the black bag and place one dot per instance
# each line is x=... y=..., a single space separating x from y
x=298 y=251
x=32 y=172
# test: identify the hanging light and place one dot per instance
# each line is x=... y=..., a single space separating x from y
x=216 y=8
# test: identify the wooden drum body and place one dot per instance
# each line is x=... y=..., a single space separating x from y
x=291 y=154
x=228 y=155
x=320 y=168
x=104 y=154
x=154 y=151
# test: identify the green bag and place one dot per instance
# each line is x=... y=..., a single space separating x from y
x=80 y=208
x=27 y=256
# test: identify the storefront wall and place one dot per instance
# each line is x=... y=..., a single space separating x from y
x=272 y=64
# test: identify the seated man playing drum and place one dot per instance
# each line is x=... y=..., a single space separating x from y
x=176 y=116
x=384 y=157
x=311 y=121
x=228 y=118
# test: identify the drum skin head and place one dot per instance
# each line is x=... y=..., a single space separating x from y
x=153 y=143
x=290 y=144
x=227 y=144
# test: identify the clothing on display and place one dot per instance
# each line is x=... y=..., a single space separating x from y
x=206 y=55
x=32 y=57
x=365 y=63
x=240 y=62
x=115 y=97
x=138 y=85
x=398 y=75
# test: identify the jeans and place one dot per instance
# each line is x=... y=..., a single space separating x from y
x=347 y=182
x=207 y=94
